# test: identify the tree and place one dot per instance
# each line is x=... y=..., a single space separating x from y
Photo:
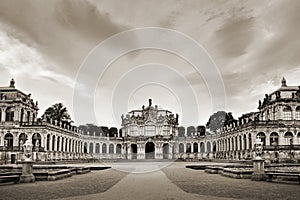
x=218 y=120
x=57 y=112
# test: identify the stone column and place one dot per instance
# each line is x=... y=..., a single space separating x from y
x=3 y=114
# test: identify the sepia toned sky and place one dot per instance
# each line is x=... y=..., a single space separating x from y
x=253 y=44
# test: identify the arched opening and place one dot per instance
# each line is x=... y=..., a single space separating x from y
x=150 y=150
x=91 y=148
x=9 y=115
x=181 y=148
x=53 y=142
x=28 y=117
x=181 y=131
x=297 y=115
x=118 y=148
x=22 y=115
x=208 y=147
x=165 y=151
x=58 y=144
x=97 y=148
x=262 y=137
x=214 y=149
x=190 y=131
x=298 y=137
x=85 y=148
x=104 y=148
x=133 y=151
x=111 y=148
x=48 y=142
x=288 y=136
x=287 y=113
x=22 y=139
x=36 y=140
x=274 y=138
x=195 y=147
x=188 y=148
x=202 y=147
x=9 y=141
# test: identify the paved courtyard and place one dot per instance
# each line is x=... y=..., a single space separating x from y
x=150 y=180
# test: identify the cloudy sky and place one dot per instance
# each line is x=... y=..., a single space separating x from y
x=44 y=45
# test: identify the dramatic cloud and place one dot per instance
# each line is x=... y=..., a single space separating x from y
x=254 y=43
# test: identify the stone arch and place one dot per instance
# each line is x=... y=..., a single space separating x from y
x=195 y=147
x=181 y=131
x=84 y=147
x=9 y=114
x=119 y=148
x=97 y=149
x=214 y=146
x=36 y=140
x=287 y=112
x=22 y=139
x=188 y=148
x=274 y=139
x=111 y=148
x=165 y=150
x=9 y=140
x=262 y=137
x=181 y=148
x=202 y=147
x=288 y=136
x=104 y=148
x=91 y=148
x=190 y=131
x=208 y=147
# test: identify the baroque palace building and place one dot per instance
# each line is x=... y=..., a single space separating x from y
x=152 y=133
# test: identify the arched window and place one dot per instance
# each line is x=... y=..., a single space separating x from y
x=195 y=147
x=53 y=142
x=274 y=138
x=91 y=148
x=208 y=147
x=48 y=142
x=22 y=139
x=111 y=148
x=9 y=116
x=97 y=148
x=36 y=140
x=298 y=137
x=298 y=113
x=188 y=148
x=202 y=147
x=190 y=131
x=262 y=137
x=181 y=148
x=214 y=146
x=181 y=131
x=85 y=148
x=287 y=113
x=9 y=141
x=118 y=148
x=104 y=148
x=288 y=138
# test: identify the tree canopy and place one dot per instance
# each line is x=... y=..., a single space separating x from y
x=57 y=112
x=218 y=120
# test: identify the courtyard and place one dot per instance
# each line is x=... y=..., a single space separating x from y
x=150 y=180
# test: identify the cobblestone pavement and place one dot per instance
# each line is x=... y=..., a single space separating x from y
x=145 y=180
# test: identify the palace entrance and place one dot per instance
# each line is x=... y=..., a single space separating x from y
x=150 y=150
x=166 y=151
x=133 y=151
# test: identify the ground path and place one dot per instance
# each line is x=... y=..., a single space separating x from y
x=150 y=180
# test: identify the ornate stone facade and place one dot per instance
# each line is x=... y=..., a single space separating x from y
x=153 y=133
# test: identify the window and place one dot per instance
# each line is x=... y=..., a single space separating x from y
x=288 y=138
x=274 y=139
x=181 y=148
x=149 y=130
x=133 y=131
x=118 y=149
x=9 y=115
x=298 y=113
x=262 y=137
x=188 y=148
x=287 y=113
x=111 y=148
x=104 y=148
